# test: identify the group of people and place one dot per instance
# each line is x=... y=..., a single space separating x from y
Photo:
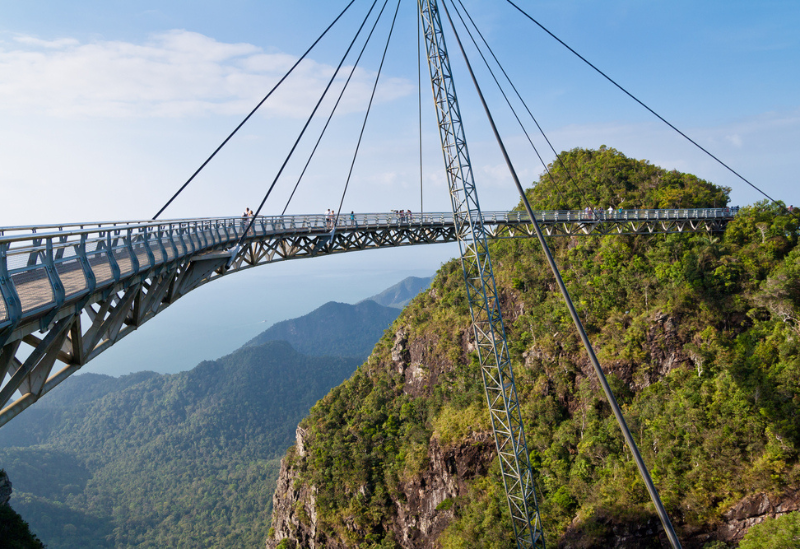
x=597 y=213
x=330 y=219
x=404 y=216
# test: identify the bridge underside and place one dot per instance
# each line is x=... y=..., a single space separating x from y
x=66 y=311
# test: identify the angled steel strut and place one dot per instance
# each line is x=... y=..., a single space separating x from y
x=487 y=322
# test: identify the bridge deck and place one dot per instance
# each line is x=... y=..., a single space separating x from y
x=114 y=276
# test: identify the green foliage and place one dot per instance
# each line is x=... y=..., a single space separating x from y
x=482 y=519
x=184 y=460
x=700 y=336
x=14 y=532
x=780 y=533
x=606 y=177
x=454 y=424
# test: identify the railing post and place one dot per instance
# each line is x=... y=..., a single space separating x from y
x=129 y=246
x=88 y=273
x=145 y=240
x=112 y=261
x=9 y=296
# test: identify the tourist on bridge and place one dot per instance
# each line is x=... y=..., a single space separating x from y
x=353 y=219
x=408 y=216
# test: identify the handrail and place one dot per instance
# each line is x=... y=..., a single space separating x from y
x=378 y=218
x=45 y=269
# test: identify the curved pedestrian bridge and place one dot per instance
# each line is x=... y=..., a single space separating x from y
x=71 y=291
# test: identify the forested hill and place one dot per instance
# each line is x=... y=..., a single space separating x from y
x=188 y=459
x=335 y=329
x=185 y=460
x=699 y=335
x=402 y=293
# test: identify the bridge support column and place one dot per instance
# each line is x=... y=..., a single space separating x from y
x=487 y=320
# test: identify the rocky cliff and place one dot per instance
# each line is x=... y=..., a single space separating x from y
x=698 y=335
x=5 y=489
x=14 y=532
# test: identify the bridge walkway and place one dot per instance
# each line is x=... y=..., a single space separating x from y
x=113 y=276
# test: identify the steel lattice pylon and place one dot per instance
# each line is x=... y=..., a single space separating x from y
x=487 y=321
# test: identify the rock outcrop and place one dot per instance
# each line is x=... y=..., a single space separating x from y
x=5 y=488
x=748 y=512
x=14 y=532
x=421 y=508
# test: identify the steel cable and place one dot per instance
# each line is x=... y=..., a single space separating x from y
x=366 y=116
x=305 y=127
x=419 y=93
x=655 y=498
x=338 y=100
x=508 y=102
x=516 y=91
x=629 y=94
x=246 y=118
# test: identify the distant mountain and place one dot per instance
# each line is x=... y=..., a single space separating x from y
x=402 y=293
x=335 y=329
x=187 y=460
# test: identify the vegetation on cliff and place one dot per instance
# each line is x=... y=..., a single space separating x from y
x=697 y=332
x=14 y=532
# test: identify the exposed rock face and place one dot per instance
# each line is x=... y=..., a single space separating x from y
x=751 y=510
x=294 y=515
x=645 y=533
x=419 y=520
x=5 y=488
x=419 y=516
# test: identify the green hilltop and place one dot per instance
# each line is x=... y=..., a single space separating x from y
x=698 y=334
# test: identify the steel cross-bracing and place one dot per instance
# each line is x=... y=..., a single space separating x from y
x=487 y=321
x=69 y=292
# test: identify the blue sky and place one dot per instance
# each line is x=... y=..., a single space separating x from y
x=108 y=106
x=99 y=98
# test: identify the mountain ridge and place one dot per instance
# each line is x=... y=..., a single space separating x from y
x=698 y=335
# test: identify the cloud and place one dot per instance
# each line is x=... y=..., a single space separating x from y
x=173 y=74
x=51 y=44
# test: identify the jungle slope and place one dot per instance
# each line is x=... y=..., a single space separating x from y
x=698 y=334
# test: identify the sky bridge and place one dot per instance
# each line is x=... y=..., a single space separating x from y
x=82 y=287
x=69 y=292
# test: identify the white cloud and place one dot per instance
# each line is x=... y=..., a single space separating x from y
x=173 y=74
x=735 y=139
x=51 y=44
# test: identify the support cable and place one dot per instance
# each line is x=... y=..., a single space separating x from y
x=246 y=118
x=519 y=96
x=573 y=313
x=335 y=106
x=419 y=93
x=508 y=102
x=366 y=116
x=604 y=75
x=305 y=127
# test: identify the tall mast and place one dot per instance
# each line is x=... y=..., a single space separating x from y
x=484 y=305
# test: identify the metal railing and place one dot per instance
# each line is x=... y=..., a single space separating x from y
x=44 y=266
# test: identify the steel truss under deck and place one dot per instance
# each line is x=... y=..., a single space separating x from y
x=487 y=321
x=69 y=292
